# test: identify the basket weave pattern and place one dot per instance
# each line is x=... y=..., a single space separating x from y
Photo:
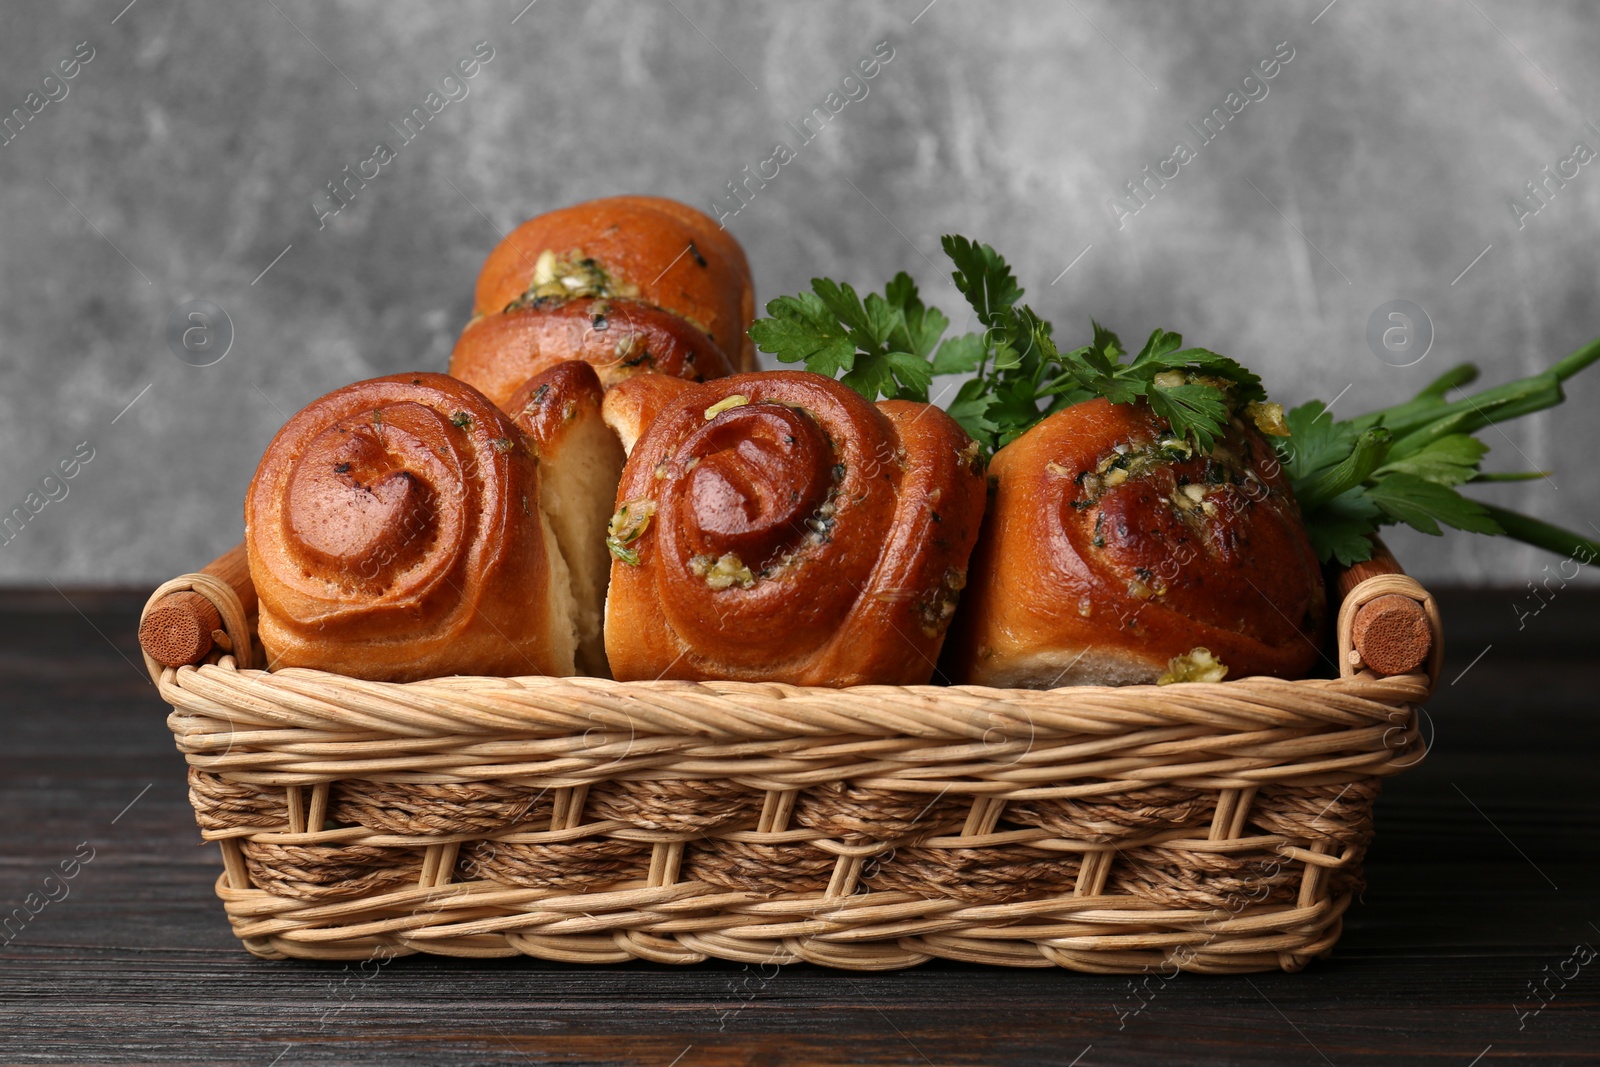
x=1210 y=827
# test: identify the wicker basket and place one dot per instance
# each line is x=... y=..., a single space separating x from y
x=1205 y=827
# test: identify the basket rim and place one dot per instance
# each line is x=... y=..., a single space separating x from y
x=1365 y=684
x=466 y=706
x=309 y=726
x=239 y=654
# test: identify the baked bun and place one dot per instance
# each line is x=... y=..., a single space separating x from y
x=580 y=461
x=628 y=283
x=621 y=338
x=1110 y=548
x=393 y=533
x=632 y=405
x=778 y=527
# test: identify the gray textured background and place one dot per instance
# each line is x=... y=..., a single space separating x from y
x=189 y=151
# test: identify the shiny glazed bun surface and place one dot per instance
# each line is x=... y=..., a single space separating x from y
x=629 y=283
x=779 y=527
x=621 y=339
x=1111 y=547
x=393 y=532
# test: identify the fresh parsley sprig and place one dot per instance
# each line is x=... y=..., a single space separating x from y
x=1402 y=464
x=893 y=345
x=1353 y=476
x=1196 y=390
x=882 y=344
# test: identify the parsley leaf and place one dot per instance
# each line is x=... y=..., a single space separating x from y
x=913 y=374
x=1198 y=411
x=1366 y=453
x=971 y=407
x=1448 y=460
x=801 y=328
x=880 y=344
x=1344 y=528
x=983 y=277
x=871 y=378
x=959 y=355
x=1315 y=440
x=1422 y=505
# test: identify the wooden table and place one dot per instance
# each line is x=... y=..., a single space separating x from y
x=1483 y=881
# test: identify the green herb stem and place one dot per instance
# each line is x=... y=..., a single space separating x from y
x=1578 y=360
x=1431 y=415
x=1509 y=476
x=1414 y=425
x=1457 y=377
x=1543 y=535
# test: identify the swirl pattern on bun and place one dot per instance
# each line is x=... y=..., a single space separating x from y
x=394 y=532
x=778 y=527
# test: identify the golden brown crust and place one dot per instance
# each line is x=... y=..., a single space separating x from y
x=632 y=405
x=799 y=534
x=393 y=533
x=620 y=338
x=656 y=250
x=547 y=405
x=1128 y=559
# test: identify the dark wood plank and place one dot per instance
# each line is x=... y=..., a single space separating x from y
x=1482 y=876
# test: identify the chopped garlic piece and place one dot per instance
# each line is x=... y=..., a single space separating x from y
x=737 y=400
x=544 y=268
x=1192 y=496
x=727 y=570
x=1196 y=665
x=568 y=277
x=627 y=526
x=1268 y=417
x=1177 y=447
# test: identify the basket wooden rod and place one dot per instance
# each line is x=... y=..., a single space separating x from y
x=182 y=628
x=1391 y=634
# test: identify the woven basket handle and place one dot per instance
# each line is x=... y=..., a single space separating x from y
x=1388 y=624
x=188 y=618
